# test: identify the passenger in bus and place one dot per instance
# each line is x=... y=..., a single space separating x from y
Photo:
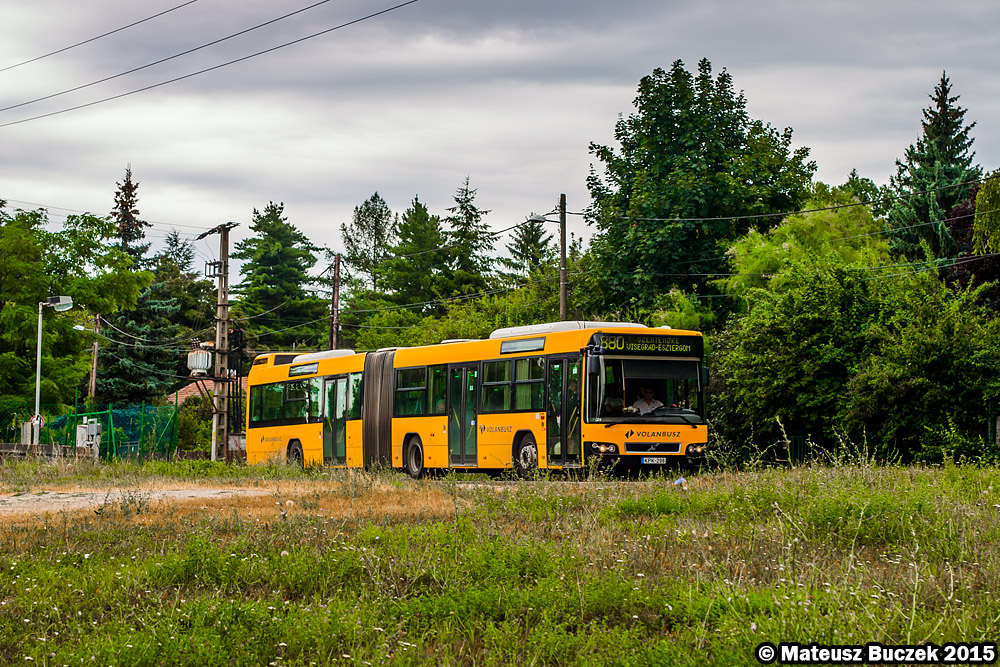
x=647 y=403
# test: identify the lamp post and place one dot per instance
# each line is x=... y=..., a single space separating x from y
x=562 y=252
x=59 y=304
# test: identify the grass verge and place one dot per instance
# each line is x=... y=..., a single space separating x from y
x=337 y=566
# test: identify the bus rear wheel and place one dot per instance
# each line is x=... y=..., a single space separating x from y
x=294 y=456
x=526 y=457
x=414 y=458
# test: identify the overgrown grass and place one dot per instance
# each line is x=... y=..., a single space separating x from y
x=363 y=568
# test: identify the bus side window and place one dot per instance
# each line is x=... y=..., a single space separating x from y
x=496 y=386
x=529 y=383
x=272 y=396
x=438 y=387
x=354 y=396
x=256 y=404
x=411 y=392
x=296 y=399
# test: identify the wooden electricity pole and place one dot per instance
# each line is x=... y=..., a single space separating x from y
x=334 y=340
x=562 y=257
x=220 y=395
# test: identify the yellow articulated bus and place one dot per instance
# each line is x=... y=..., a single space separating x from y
x=547 y=396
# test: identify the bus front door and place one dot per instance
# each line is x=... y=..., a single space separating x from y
x=463 y=390
x=563 y=407
x=335 y=422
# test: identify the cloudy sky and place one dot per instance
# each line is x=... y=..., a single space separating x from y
x=413 y=101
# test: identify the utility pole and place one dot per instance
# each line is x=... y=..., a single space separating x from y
x=562 y=257
x=220 y=395
x=92 y=389
x=334 y=341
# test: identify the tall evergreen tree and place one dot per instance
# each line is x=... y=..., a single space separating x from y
x=369 y=237
x=933 y=177
x=413 y=271
x=125 y=215
x=530 y=251
x=279 y=311
x=470 y=244
x=142 y=362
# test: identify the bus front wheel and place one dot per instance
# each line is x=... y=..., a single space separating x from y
x=414 y=458
x=526 y=457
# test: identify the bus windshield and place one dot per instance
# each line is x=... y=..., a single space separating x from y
x=641 y=390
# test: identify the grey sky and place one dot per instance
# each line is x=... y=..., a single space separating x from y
x=410 y=103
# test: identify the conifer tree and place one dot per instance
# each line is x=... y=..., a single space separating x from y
x=470 y=244
x=368 y=238
x=280 y=313
x=125 y=215
x=530 y=250
x=933 y=177
x=413 y=271
x=141 y=361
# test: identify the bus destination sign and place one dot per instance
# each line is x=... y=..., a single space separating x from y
x=645 y=345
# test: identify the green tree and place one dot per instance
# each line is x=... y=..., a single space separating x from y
x=931 y=365
x=35 y=263
x=986 y=228
x=195 y=296
x=847 y=236
x=530 y=251
x=274 y=304
x=369 y=238
x=470 y=244
x=690 y=151
x=792 y=354
x=141 y=364
x=413 y=269
x=125 y=215
x=933 y=177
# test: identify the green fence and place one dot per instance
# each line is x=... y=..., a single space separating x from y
x=127 y=431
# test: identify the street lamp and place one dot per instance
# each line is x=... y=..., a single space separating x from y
x=59 y=304
x=562 y=252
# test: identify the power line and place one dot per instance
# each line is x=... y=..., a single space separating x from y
x=210 y=69
x=800 y=212
x=48 y=208
x=92 y=39
x=163 y=60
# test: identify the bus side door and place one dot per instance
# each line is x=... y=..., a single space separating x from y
x=564 y=406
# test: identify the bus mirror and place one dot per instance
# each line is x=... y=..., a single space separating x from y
x=704 y=376
x=593 y=366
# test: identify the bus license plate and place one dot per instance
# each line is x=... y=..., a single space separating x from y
x=654 y=460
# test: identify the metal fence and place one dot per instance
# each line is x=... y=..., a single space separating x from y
x=125 y=431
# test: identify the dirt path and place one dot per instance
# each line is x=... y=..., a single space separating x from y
x=56 y=500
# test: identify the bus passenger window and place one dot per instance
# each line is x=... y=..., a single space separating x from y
x=296 y=399
x=354 y=403
x=438 y=386
x=496 y=386
x=529 y=383
x=273 y=401
x=411 y=392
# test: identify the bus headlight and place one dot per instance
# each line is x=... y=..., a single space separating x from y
x=603 y=447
